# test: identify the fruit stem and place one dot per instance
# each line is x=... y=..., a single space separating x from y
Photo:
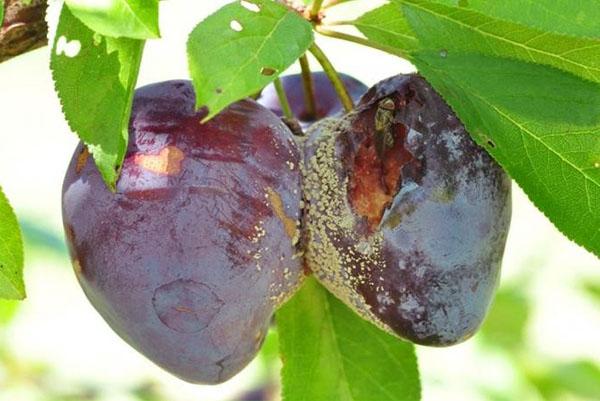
x=334 y=77
x=316 y=7
x=309 y=88
x=283 y=100
x=362 y=41
x=330 y=3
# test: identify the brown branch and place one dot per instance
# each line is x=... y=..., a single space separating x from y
x=24 y=27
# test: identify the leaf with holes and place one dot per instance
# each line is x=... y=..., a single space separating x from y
x=95 y=77
x=559 y=16
x=387 y=26
x=137 y=19
x=11 y=253
x=458 y=29
x=242 y=47
x=330 y=353
x=540 y=123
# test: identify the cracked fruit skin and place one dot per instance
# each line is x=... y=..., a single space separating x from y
x=327 y=102
x=189 y=258
x=407 y=217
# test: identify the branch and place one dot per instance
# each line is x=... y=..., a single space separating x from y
x=24 y=27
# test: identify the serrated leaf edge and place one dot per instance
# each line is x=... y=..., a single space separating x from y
x=17 y=293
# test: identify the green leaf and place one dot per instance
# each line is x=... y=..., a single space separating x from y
x=387 y=26
x=241 y=48
x=559 y=16
x=1 y=12
x=580 y=378
x=8 y=310
x=269 y=352
x=439 y=27
x=592 y=288
x=137 y=19
x=507 y=321
x=11 y=253
x=331 y=354
x=540 y=123
x=95 y=78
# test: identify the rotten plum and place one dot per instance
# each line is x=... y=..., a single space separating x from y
x=190 y=256
x=327 y=102
x=407 y=216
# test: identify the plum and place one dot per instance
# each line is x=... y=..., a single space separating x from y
x=406 y=216
x=199 y=244
x=327 y=102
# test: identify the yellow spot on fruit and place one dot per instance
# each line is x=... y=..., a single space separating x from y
x=288 y=223
x=77 y=267
x=167 y=162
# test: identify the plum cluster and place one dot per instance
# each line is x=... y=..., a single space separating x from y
x=213 y=226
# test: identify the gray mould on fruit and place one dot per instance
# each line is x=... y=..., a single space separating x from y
x=407 y=216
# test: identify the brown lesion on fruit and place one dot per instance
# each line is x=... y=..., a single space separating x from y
x=183 y=309
x=289 y=224
x=377 y=164
x=82 y=159
x=167 y=162
x=77 y=267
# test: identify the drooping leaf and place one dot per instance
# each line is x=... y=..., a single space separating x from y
x=95 y=76
x=331 y=354
x=137 y=19
x=387 y=26
x=242 y=47
x=540 y=123
x=560 y=16
x=442 y=28
x=11 y=253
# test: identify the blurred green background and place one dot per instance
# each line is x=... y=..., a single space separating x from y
x=541 y=340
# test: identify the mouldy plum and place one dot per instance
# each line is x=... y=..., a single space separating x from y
x=327 y=102
x=189 y=258
x=407 y=217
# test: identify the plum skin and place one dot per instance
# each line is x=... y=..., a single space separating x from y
x=190 y=257
x=409 y=234
x=327 y=101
